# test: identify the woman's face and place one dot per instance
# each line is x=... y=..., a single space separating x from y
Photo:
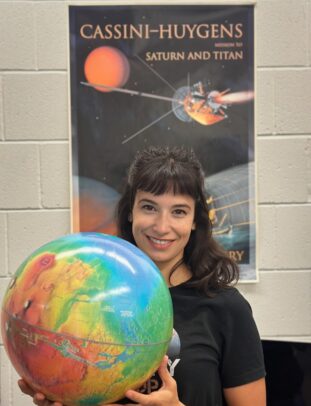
x=161 y=226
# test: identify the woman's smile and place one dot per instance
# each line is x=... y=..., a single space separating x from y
x=159 y=243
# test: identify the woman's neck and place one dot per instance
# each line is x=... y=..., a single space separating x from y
x=180 y=274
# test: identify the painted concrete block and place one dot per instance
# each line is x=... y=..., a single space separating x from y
x=3 y=245
x=4 y=283
x=309 y=33
x=29 y=231
x=282 y=170
x=275 y=311
x=10 y=392
x=1 y=111
x=51 y=35
x=35 y=106
x=284 y=239
x=292 y=101
x=293 y=237
x=265 y=102
x=5 y=378
x=19 y=176
x=281 y=33
x=55 y=169
x=266 y=237
x=17 y=36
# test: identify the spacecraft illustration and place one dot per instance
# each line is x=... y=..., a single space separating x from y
x=189 y=103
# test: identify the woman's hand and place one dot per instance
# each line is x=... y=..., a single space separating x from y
x=166 y=396
x=38 y=398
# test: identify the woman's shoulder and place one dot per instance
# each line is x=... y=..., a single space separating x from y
x=227 y=298
x=232 y=298
x=230 y=304
x=235 y=309
x=231 y=294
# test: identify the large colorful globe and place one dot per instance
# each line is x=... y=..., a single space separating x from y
x=86 y=317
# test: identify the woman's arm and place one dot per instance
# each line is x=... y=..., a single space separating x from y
x=251 y=394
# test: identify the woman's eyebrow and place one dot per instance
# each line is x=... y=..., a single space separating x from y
x=146 y=201
x=181 y=205
x=175 y=206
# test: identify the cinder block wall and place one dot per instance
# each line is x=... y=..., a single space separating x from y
x=34 y=156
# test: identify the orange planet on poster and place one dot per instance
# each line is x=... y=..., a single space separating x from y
x=106 y=66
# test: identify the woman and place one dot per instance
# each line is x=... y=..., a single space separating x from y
x=164 y=212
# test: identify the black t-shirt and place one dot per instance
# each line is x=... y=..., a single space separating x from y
x=216 y=345
x=219 y=345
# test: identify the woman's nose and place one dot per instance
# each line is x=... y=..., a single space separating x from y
x=162 y=223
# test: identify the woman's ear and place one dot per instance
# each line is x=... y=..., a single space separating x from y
x=193 y=226
x=130 y=217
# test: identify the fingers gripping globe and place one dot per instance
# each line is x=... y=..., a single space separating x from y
x=86 y=317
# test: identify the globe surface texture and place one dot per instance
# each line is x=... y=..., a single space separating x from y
x=86 y=317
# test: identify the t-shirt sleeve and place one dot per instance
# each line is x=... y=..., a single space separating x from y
x=242 y=361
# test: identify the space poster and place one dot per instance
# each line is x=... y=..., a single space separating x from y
x=145 y=75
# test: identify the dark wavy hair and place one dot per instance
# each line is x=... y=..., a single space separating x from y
x=161 y=169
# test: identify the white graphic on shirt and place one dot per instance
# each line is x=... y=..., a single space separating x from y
x=154 y=383
x=172 y=365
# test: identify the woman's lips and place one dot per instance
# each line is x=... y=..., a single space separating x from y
x=159 y=243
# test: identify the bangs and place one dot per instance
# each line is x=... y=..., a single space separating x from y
x=165 y=179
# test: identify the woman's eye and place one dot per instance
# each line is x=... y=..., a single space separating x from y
x=180 y=212
x=148 y=207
